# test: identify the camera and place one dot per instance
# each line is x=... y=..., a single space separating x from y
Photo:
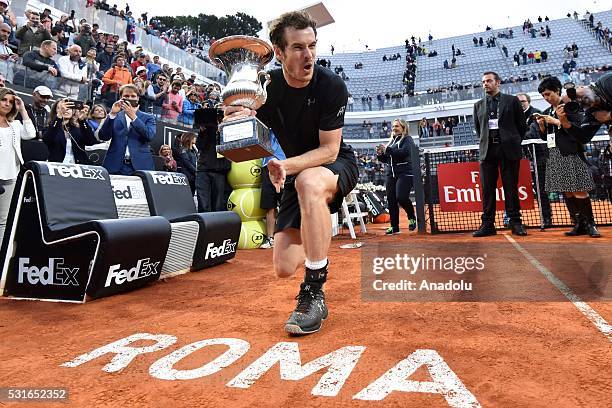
x=77 y=104
x=208 y=117
x=131 y=102
x=572 y=107
x=72 y=14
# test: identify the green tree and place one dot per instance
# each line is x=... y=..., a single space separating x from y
x=213 y=26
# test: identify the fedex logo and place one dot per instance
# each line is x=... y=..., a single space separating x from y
x=74 y=171
x=169 y=178
x=51 y=274
x=142 y=269
x=227 y=247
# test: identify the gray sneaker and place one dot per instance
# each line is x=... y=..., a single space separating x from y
x=310 y=311
x=268 y=243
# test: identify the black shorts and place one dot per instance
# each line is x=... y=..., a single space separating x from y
x=269 y=197
x=289 y=213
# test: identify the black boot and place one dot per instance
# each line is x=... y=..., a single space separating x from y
x=573 y=208
x=589 y=219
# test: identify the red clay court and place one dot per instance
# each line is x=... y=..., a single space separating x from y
x=452 y=353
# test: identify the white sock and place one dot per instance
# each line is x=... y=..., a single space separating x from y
x=314 y=265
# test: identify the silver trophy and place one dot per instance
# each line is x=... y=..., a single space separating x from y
x=243 y=59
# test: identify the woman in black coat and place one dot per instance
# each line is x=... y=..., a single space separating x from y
x=567 y=170
x=397 y=155
x=68 y=127
x=187 y=159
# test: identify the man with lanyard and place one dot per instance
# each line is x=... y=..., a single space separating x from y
x=305 y=110
x=500 y=125
x=39 y=109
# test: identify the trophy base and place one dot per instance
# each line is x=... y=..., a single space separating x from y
x=244 y=139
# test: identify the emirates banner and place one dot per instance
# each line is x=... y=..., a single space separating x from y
x=460 y=187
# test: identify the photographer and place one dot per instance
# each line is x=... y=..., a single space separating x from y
x=84 y=39
x=130 y=132
x=210 y=180
x=32 y=34
x=596 y=100
x=68 y=132
x=566 y=168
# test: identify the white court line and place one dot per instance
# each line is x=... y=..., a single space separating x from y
x=604 y=327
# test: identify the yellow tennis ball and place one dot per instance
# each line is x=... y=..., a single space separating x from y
x=252 y=234
x=245 y=174
x=245 y=202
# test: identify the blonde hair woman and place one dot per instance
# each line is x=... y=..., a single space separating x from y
x=11 y=133
x=397 y=154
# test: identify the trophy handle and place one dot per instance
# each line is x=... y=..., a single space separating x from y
x=264 y=91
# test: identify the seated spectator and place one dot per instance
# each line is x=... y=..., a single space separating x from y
x=68 y=133
x=139 y=61
x=97 y=115
x=32 y=34
x=173 y=103
x=42 y=63
x=73 y=72
x=165 y=151
x=115 y=78
x=7 y=57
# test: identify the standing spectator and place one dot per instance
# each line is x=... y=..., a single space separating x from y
x=141 y=82
x=423 y=128
x=173 y=104
x=130 y=132
x=105 y=58
x=350 y=103
x=97 y=115
x=567 y=170
x=38 y=110
x=165 y=151
x=153 y=68
x=156 y=93
x=68 y=133
x=140 y=61
x=115 y=78
x=73 y=72
x=190 y=104
x=7 y=57
x=92 y=71
x=500 y=125
x=541 y=155
x=11 y=133
x=505 y=50
x=397 y=154
x=32 y=34
x=211 y=180
x=41 y=61
x=187 y=160
x=85 y=38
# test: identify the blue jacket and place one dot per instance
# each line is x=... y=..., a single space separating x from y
x=189 y=109
x=137 y=138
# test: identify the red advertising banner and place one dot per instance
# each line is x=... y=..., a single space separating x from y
x=460 y=189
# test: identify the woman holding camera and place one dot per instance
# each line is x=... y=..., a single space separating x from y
x=68 y=133
x=566 y=168
x=397 y=155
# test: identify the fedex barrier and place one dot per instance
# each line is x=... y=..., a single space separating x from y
x=169 y=196
x=65 y=242
x=69 y=241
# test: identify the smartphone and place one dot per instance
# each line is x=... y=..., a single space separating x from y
x=131 y=102
x=77 y=104
x=72 y=14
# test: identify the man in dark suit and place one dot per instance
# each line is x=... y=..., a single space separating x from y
x=541 y=155
x=500 y=124
x=130 y=132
